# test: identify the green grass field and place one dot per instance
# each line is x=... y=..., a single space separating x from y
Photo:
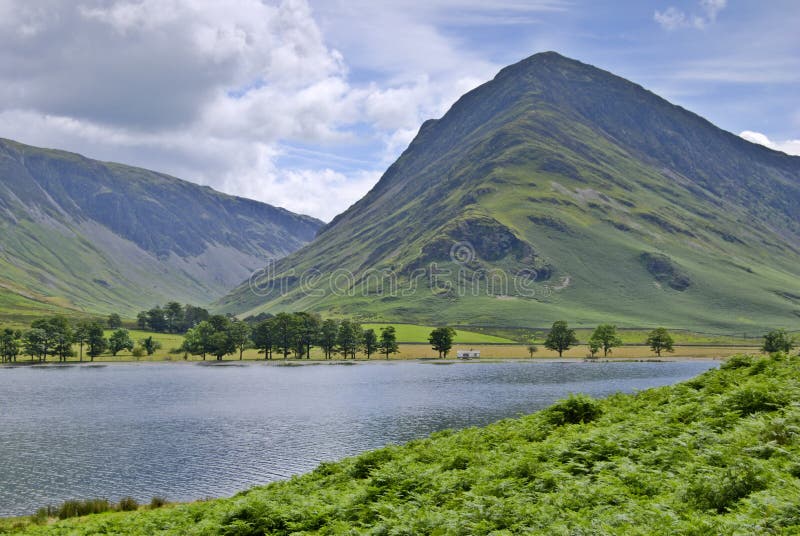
x=714 y=455
x=414 y=345
x=419 y=334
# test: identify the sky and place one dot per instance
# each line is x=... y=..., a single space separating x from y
x=304 y=103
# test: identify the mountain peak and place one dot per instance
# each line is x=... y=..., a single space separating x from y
x=613 y=197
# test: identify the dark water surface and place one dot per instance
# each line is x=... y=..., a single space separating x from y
x=185 y=431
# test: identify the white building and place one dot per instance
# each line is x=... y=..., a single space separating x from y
x=468 y=354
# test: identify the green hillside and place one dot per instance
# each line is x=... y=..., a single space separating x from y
x=80 y=234
x=715 y=455
x=558 y=190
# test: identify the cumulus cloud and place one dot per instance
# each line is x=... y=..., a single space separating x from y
x=787 y=146
x=215 y=92
x=673 y=18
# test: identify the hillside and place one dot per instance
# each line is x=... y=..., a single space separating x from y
x=558 y=190
x=715 y=455
x=99 y=237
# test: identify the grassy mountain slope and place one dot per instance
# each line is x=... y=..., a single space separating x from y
x=608 y=201
x=97 y=236
x=715 y=455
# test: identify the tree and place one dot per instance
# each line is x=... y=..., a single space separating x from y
x=62 y=337
x=605 y=337
x=308 y=326
x=441 y=340
x=263 y=337
x=192 y=316
x=173 y=315
x=114 y=321
x=9 y=345
x=370 y=342
x=141 y=320
x=157 y=320
x=198 y=339
x=285 y=327
x=81 y=336
x=150 y=345
x=222 y=343
x=96 y=340
x=594 y=347
x=349 y=338
x=777 y=340
x=329 y=330
x=33 y=342
x=46 y=340
x=532 y=349
x=240 y=333
x=659 y=341
x=560 y=338
x=120 y=340
x=388 y=342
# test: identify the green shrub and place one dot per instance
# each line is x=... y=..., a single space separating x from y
x=737 y=361
x=459 y=462
x=720 y=492
x=127 y=504
x=759 y=366
x=157 y=502
x=574 y=410
x=750 y=400
x=254 y=520
x=138 y=352
x=43 y=514
x=364 y=464
x=83 y=508
x=783 y=431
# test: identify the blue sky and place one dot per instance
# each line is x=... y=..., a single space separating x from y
x=303 y=103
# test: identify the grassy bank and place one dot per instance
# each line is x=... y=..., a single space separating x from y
x=715 y=455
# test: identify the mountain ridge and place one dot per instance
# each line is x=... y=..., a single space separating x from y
x=551 y=158
x=101 y=236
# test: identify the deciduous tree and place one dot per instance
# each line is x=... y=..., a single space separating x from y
x=150 y=345
x=240 y=333
x=777 y=340
x=370 y=342
x=96 y=340
x=659 y=340
x=388 y=341
x=327 y=336
x=441 y=340
x=560 y=338
x=263 y=337
x=605 y=337
x=120 y=340
x=114 y=321
x=350 y=338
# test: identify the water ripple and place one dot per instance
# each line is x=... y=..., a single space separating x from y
x=188 y=432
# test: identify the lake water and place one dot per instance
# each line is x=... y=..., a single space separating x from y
x=186 y=431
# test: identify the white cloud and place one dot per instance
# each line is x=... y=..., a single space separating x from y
x=673 y=18
x=787 y=146
x=214 y=92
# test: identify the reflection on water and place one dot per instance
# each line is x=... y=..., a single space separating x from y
x=187 y=432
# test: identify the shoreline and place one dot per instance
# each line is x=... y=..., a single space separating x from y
x=349 y=362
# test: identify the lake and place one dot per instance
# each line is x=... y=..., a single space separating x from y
x=185 y=431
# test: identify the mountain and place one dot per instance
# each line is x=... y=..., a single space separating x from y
x=96 y=236
x=574 y=194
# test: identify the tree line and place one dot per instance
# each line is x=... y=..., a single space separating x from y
x=605 y=338
x=288 y=334
x=57 y=336
x=171 y=318
x=284 y=335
